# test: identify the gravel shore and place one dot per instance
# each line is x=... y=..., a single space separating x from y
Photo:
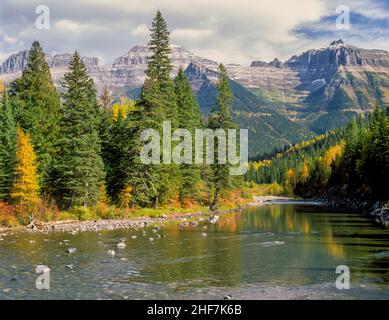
x=72 y=226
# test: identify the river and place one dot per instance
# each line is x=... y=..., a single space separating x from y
x=279 y=251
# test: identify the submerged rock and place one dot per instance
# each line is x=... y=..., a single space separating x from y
x=214 y=219
x=41 y=268
x=121 y=245
x=272 y=243
x=111 y=252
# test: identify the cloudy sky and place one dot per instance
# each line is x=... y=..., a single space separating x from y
x=229 y=31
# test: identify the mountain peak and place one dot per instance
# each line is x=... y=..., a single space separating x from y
x=337 y=43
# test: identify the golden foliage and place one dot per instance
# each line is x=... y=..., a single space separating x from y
x=332 y=154
x=290 y=181
x=25 y=189
x=273 y=189
x=2 y=87
x=304 y=172
x=125 y=197
x=123 y=107
x=103 y=198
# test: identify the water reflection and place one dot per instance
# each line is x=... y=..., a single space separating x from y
x=285 y=245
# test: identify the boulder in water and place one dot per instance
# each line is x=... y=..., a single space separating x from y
x=121 y=245
x=111 y=252
x=71 y=250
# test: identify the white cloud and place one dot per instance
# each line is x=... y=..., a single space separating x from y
x=66 y=25
x=10 y=40
x=226 y=30
x=141 y=30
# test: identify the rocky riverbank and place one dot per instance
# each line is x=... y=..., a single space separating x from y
x=378 y=209
x=74 y=226
x=381 y=215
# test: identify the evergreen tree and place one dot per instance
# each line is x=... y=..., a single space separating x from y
x=116 y=156
x=39 y=110
x=159 y=65
x=189 y=118
x=8 y=142
x=159 y=70
x=80 y=167
x=150 y=182
x=25 y=188
x=374 y=162
x=221 y=118
x=154 y=183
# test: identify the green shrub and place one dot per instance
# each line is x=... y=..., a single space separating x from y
x=84 y=214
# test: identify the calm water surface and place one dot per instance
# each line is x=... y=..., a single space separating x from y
x=282 y=251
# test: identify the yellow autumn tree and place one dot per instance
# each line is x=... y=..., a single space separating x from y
x=25 y=189
x=2 y=87
x=124 y=106
x=290 y=181
x=304 y=175
x=331 y=156
x=125 y=197
x=103 y=197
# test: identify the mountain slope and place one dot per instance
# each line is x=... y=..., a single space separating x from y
x=268 y=129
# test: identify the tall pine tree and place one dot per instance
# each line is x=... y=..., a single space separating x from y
x=116 y=156
x=221 y=118
x=39 y=111
x=80 y=168
x=8 y=141
x=153 y=184
x=189 y=117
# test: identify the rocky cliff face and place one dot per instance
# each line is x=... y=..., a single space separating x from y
x=128 y=71
x=318 y=87
x=14 y=63
x=323 y=87
x=13 y=67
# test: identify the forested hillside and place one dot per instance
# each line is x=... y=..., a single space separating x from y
x=351 y=162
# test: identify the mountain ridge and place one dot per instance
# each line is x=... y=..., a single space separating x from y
x=319 y=89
